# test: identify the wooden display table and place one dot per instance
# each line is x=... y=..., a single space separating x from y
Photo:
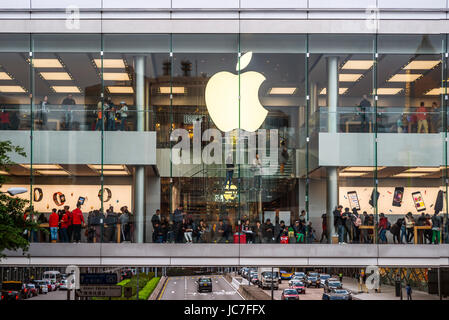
x=362 y=227
x=415 y=231
x=351 y=122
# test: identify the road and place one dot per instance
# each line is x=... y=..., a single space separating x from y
x=54 y=295
x=311 y=293
x=185 y=288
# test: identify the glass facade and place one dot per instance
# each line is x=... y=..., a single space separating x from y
x=223 y=132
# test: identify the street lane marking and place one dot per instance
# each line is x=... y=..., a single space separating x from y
x=163 y=289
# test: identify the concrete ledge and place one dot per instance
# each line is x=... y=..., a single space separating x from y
x=158 y=288
x=253 y=293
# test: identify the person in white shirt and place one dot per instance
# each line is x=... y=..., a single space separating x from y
x=123 y=115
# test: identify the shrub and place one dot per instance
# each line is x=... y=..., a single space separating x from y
x=124 y=282
x=145 y=293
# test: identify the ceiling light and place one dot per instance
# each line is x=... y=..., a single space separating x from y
x=174 y=90
x=117 y=76
x=282 y=91
x=4 y=172
x=435 y=92
x=4 y=76
x=110 y=63
x=47 y=63
x=404 y=77
x=388 y=91
x=422 y=64
x=43 y=166
x=358 y=64
x=115 y=173
x=362 y=168
x=424 y=169
x=349 y=77
x=53 y=172
x=66 y=89
x=11 y=89
x=120 y=89
x=107 y=166
x=409 y=175
x=56 y=76
x=351 y=174
x=340 y=91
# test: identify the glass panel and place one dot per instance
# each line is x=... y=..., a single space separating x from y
x=273 y=132
x=66 y=150
x=342 y=151
x=199 y=110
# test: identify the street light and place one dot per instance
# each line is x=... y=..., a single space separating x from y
x=15 y=191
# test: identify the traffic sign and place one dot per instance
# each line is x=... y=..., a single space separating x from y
x=100 y=291
x=98 y=279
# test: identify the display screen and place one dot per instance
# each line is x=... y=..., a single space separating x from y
x=398 y=195
x=418 y=200
x=81 y=200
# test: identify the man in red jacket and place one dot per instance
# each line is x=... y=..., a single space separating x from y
x=53 y=223
x=77 y=223
x=69 y=223
x=65 y=221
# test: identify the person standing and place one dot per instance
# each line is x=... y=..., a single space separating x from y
x=43 y=113
x=283 y=157
x=339 y=223
x=435 y=118
x=229 y=170
x=436 y=228
x=69 y=223
x=357 y=222
x=409 y=225
x=257 y=232
x=365 y=107
x=67 y=104
x=156 y=218
x=383 y=227
x=268 y=232
x=422 y=118
x=123 y=115
x=124 y=221
x=324 y=228
x=408 y=289
x=64 y=226
x=178 y=217
x=53 y=223
x=4 y=120
x=257 y=168
x=348 y=232
x=77 y=223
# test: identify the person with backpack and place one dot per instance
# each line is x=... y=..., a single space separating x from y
x=396 y=231
x=383 y=226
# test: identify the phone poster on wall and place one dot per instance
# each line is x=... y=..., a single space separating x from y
x=58 y=196
x=393 y=200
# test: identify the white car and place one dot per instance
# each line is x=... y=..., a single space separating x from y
x=295 y=279
x=63 y=285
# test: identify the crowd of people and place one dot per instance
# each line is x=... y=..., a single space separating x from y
x=67 y=226
x=348 y=227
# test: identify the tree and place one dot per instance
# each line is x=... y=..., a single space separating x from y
x=13 y=226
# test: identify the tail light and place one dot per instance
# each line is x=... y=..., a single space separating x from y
x=9 y=292
x=17 y=297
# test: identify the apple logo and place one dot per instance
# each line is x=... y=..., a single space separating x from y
x=222 y=98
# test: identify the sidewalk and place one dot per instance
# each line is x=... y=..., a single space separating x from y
x=387 y=292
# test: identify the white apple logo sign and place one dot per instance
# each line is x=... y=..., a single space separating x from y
x=222 y=99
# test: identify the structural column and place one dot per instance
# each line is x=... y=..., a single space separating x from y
x=139 y=186
x=332 y=174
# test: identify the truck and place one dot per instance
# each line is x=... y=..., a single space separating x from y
x=266 y=278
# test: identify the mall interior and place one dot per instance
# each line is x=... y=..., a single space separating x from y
x=349 y=115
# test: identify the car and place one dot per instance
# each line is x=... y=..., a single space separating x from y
x=323 y=278
x=41 y=285
x=56 y=283
x=312 y=281
x=296 y=278
x=204 y=284
x=25 y=292
x=254 y=278
x=289 y=294
x=313 y=274
x=329 y=285
x=337 y=294
x=298 y=286
x=33 y=291
x=63 y=285
x=51 y=286
x=286 y=275
x=11 y=290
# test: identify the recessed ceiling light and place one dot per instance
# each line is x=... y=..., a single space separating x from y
x=107 y=166
x=174 y=90
x=424 y=169
x=47 y=63
x=110 y=63
x=410 y=175
x=403 y=77
x=115 y=173
x=362 y=168
x=421 y=64
x=53 y=172
x=388 y=91
x=351 y=174
x=281 y=90
x=435 y=92
x=4 y=172
x=349 y=77
x=43 y=166
x=66 y=89
x=11 y=89
x=117 y=76
x=120 y=89
x=4 y=76
x=340 y=91
x=358 y=64
x=56 y=76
